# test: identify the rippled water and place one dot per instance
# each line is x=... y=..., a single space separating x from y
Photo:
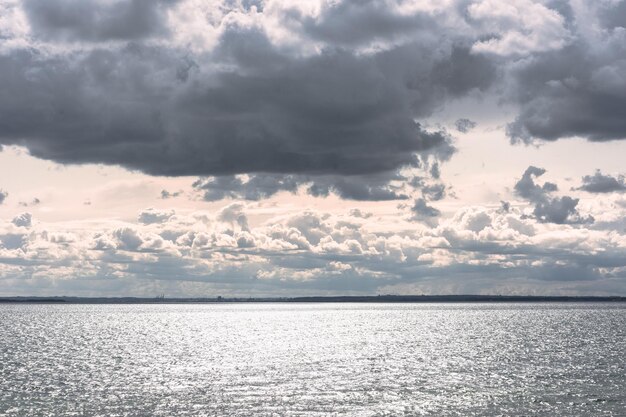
x=313 y=360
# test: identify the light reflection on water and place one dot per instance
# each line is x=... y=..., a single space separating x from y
x=313 y=359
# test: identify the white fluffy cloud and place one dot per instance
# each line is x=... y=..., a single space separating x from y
x=518 y=27
x=314 y=252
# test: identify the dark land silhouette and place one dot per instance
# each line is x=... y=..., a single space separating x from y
x=315 y=299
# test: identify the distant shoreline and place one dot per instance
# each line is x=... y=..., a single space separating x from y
x=312 y=299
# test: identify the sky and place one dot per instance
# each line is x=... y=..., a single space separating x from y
x=196 y=148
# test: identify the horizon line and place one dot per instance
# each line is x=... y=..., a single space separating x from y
x=413 y=298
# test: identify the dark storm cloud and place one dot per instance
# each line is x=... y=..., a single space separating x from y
x=548 y=209
x=578 y=90
x=250 y=105
x=97 y=20
x=464 y=71
x=600 y=183
x=247 y=105
x=333 y=113
x=3 y=196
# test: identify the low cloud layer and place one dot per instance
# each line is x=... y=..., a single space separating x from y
x=476 y=250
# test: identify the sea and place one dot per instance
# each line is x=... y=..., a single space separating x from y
x=308 y=359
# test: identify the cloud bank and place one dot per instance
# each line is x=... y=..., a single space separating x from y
x=478 y=249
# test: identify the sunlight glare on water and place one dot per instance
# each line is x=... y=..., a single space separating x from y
x=313 y=359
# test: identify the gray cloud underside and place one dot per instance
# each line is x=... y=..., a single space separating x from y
x=580 y=89
x=94 y=21
x=148 y=108
x=107 y=82
x=373 y=187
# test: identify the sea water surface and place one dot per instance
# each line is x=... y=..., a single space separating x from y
x=545 y=359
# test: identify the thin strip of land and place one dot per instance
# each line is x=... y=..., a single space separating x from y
x=317 y=299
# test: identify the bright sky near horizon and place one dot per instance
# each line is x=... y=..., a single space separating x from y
x=202 y=148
